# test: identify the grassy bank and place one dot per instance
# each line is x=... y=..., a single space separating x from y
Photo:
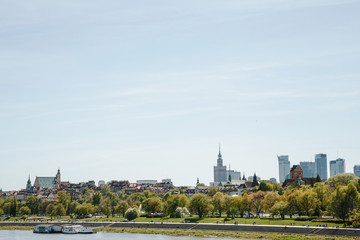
x=198 y=233
x=16 y=228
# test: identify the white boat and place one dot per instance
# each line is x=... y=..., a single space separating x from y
x=47 y=228
x=74 y=229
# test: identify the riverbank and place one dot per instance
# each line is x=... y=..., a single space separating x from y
x=199 y=233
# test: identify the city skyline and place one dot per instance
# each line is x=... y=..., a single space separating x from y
x=128 y=90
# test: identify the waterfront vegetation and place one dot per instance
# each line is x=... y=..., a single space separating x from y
x=198 y=233
x=337 y=199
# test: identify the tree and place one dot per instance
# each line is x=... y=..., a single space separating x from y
x=105 y=206
x=59 y=210
x=84 y=209
x=151 y=205
x=264 y=186
x=308 y=202
x=14 y=207
x=323 y=196
x=279 y=208
x=122 y=207
x=113 y=202
x=246 y=203
x=344 y=200
x=64 y=199
x=25 y=210
x=173 y=202
x=318 y=178
x=269 y=200
x=131 y=214
x=256 y=199
x=33 y=203
x=218 y=202
x=50 y=210
x=96 y=198
x=343 y=179
x=200 y=204
x=237 y=205
x=104 y=189
x=213 y=190
x=7 y=208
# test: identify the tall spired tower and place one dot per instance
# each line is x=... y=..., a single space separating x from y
x=220 y=169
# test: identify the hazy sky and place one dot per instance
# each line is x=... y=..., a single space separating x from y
x=147 y=89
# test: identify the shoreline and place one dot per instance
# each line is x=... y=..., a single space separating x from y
x=201 y=233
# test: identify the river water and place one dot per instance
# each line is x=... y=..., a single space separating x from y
x=29 y=235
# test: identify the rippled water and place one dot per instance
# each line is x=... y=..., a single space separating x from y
x=29 y=235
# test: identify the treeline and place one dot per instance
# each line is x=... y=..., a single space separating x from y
x=337 y=197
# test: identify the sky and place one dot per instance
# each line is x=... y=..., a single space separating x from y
x=129 y=90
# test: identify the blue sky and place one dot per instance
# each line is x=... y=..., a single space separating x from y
x=147 y=89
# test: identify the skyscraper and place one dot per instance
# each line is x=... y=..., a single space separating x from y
x=337 y=166
x=284 y=167
x=308 y=169
x=220 y=170
x=321 y=166
x=357 y=170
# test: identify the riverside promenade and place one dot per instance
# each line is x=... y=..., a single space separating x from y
x=277 y=229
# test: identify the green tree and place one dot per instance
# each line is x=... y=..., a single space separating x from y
x=218 y=202
x=14 y=207
x=173 y=202
x=7 y=208
x=151 y=205
x=246 y=203
x=318 y=179
x=122 y=207
x=104 y=189
x=96 y=198
x=50 y=210
x=25 y=210
x=59 y=210
x=308 y=202
x=343 y=179
x=279 y=208
x=213 y=190
x=200 y=204
x=64 y=199
x=344 y=200
x=105 y=206
x=33 y=203
x=84 y=209
x=269 y=200
x=256 y=199
x=131 y=214
x=264 y=186
x=323 y=196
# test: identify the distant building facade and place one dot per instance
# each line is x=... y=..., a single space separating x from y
x=308 y=169
x=337 y=166
x=233 y=175
x=357 y=170
x=284 y=167
x=220 y=173
x=48 y=182
x=321 y=166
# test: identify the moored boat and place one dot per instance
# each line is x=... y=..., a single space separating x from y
x=47 y=228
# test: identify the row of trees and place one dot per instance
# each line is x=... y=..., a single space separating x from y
x=338 y=197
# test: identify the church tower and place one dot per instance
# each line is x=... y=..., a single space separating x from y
x=58 y=179
x=28 y=184
x=220 y=169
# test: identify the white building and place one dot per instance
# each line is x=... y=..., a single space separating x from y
x=337 y=166
x=284 y=167
x=101 y=182
x=146 y=181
